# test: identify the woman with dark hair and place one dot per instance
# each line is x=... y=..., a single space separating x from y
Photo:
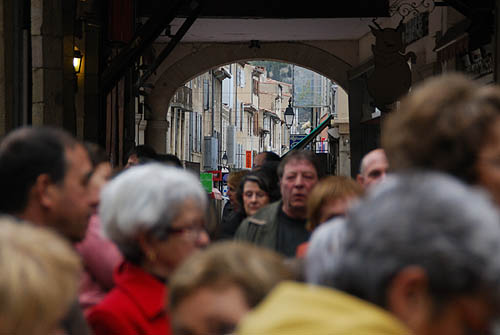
x=256 y=191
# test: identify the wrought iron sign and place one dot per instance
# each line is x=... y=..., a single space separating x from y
x=391 y=77
x=407 y=8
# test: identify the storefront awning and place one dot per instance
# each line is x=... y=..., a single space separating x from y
x=312 y=135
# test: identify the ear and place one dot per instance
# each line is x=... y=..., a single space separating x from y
x=45 y=191
x=408 y=297
x=360 y=179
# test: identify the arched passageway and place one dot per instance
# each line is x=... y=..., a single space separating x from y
x=193 y=59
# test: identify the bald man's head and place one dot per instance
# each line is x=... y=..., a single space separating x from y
x=374 y=166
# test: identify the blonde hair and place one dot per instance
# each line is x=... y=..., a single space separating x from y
x=330 y=188
x=38 y=281
x=253 y=269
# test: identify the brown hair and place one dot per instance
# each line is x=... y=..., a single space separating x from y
x=329 y=188
x=441 y=125
x=300 y=155
x=236 y=177
x=255 y=270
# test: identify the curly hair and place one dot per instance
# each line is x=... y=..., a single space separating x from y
x=442 y=125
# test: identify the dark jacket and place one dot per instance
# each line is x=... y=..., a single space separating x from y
x=230 y=222
x=261 y=228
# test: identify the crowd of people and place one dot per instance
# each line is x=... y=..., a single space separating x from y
x=408 y=246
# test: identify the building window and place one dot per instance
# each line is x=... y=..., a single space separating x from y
x=241 y=117
x=206 y=96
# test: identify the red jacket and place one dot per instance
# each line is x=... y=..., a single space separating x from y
x=135 y=306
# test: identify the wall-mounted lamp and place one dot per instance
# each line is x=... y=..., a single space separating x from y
x=77 y=60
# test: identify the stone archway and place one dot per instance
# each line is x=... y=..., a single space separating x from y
x=193 y=59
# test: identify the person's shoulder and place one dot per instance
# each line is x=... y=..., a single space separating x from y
x=114 y=302
x=267 y=211
x=104 y=320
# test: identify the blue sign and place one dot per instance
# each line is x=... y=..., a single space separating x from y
x=296 y=138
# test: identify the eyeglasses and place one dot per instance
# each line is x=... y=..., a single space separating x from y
x=191 y=232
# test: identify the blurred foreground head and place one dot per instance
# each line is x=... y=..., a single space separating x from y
x=216 y=287
x=38 y=281
x=423 y=246
x=155 y=215
x=450 y=124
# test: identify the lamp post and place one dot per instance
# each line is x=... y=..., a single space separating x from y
x=289 y=114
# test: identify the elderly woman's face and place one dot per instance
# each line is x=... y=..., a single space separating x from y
x=488 y=162
x=186 y=234
x=254 y=198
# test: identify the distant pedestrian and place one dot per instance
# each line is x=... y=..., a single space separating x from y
x=263 y=158
x=141 y=154
x=281 y=226
x=373 y=168
x=255 y=191
x=232 y=213
x=330 y=198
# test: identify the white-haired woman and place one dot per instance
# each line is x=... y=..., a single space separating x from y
x=156 y=216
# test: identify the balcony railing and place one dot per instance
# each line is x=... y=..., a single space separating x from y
x=183 y=98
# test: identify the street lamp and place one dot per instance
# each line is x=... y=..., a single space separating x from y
x=289 y=114
x=224 y=159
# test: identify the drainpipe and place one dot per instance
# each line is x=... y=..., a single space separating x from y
x=213 y=100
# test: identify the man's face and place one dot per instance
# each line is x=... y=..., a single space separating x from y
x=259 y=161
x=71 y=208
x=299 y=177
x=132 y=161
x=375 y=169
x=100 y=176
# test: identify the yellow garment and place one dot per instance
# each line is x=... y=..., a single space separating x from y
x=299 y=309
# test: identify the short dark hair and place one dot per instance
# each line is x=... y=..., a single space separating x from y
x=96 y=153
x=265 y=182
x=25 y=154
x=170 y=159
x=145 y=153
x=300 y=155
x=271 y=156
